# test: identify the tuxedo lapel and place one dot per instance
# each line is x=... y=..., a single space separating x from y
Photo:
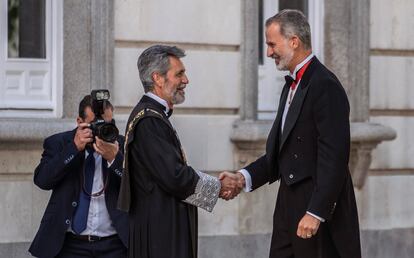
x=293 y=113
x=297 y=102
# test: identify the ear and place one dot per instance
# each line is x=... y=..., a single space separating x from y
x=158 y=79
x=294 y=41
x=79 y=120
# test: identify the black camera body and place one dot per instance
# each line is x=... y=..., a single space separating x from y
x=106 y=131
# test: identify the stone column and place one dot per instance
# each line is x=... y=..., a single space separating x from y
x=347 y=51
x=88 y=50
x=102 y=44
x=250 y=54
x=347 y=55
x=249 y=135
x=248 y=132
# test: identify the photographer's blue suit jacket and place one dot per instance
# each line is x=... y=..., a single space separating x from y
x=59 y=170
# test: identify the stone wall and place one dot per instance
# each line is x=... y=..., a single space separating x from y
x=209 y=31
x=385 y=208
x=212 y=33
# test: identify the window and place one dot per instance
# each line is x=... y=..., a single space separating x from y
x=26 y=29
x=30 y=58
x=271 y=80
x=301 y=5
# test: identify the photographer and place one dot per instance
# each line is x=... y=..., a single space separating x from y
x=84 y=172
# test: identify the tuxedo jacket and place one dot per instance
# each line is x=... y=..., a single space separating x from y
x=60 y=171
x=315 y=144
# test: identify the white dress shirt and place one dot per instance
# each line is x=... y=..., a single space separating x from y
x=291 y=94
x=99 y=222
x=159 y=100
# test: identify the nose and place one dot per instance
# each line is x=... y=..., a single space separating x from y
x=269 y=52
x=185 y=79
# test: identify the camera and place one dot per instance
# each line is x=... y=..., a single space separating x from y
x=106 y=131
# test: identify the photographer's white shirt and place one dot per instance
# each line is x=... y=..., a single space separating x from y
x=99 y=222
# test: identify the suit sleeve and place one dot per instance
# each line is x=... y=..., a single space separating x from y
x=258 y=171
x=331 y=115
x=155 y=149
x=56 y=159
x=117 y=164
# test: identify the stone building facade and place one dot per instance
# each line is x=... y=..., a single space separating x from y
x=231 y=101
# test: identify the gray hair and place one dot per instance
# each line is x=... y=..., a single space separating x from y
x=293 y=22
x=156 y=59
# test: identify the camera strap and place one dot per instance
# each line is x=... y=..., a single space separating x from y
x=105 y=175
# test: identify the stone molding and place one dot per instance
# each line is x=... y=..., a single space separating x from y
x=250 y=138
x=25 y=130
x=364 y=138
x=32 y=130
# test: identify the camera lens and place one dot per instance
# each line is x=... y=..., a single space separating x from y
x=108 y=132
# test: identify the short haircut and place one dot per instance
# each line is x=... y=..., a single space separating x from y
x=293 y=22
x=156 y=59
x=87 y=102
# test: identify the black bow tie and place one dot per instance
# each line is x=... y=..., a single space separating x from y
x=169 y=113
x=289 y=80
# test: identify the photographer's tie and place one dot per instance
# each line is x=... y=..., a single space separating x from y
x=81 y=214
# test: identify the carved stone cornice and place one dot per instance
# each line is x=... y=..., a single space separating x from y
x=249 y=138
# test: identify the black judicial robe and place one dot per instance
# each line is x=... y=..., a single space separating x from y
x=156 y=181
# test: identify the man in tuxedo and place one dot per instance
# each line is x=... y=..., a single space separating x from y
x=84 y=174
x=308 y=151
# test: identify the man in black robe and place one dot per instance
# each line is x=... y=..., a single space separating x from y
x=159 y=190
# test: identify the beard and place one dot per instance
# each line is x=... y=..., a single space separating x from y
x=178 y=96
x=284 y=60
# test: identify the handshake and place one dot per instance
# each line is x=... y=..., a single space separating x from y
x=231 y=184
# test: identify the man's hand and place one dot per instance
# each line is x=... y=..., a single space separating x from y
x=231 y=184
x=107 y=150
x=83 y=136
x=308 y=226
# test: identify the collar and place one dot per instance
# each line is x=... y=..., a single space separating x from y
x=159 y=100
x=309 y=57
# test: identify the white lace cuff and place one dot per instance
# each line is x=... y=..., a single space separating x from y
x=206 y=192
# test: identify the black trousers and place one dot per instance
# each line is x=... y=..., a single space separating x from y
x=291 y=206
x=110 y=247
